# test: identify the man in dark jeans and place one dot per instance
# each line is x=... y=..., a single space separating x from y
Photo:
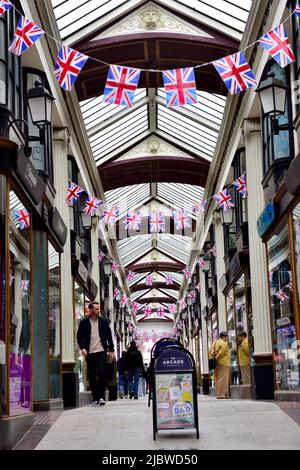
x=95 y=342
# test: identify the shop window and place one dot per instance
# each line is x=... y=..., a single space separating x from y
x=296 y=220
x=20 y=354
x=242 y=332
x=232 y=342
x=54 y=323
x=282 y=311
x=3 y=330
x=41 y=156
x=80 y=311
x=278 y=146
x=296 y=43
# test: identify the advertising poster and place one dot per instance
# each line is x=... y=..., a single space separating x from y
x=174 y=397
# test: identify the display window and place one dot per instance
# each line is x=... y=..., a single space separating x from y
x=282 y=310
x=242 y=332
x=20 y=308
x=232 y=341
x=81 y=302
x=3 y=297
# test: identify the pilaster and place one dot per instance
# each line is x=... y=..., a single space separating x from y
x=220 y=269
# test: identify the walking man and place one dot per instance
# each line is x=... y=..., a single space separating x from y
x=95 y=343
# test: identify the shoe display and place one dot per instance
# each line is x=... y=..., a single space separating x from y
x=102 y=402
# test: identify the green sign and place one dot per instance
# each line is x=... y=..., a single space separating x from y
x=266 y=219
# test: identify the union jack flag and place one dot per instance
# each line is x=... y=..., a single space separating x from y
x=192 y=295
x=277 y=44
x=116 y=293
x=130 y=276
x=198 y=287
x=68 y=65
x=200 y=206
x=24 y=286
x=172 y=308
x=224 y=199
x=182 y=303
x=213 y=250
x=11 y=279
x=74 y=192
x=187 y=273
x=181 y=219
x=23 y=218
x=135 y=307
x=201 y=263
x=133 y=220
x=110 y=214
x=121 y=85
x=235 y=72
x=147 y=311
x=114 y=267
x=160 y=312
x=297 y=10
x=169 y=280
x=157 y=222
x=241 y=186
x=4 y=6
x=91 y=205
x=149 y=280
x=124 y=300
x=282 y=296
x=25 y=35
x=180 y=86
x=101 y=255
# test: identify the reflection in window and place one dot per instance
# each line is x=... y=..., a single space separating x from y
x=244 y=360
x=296 y=217
x=20 y=308
x=232 y=338
x=3 y=339
x=283 y=319
x=54 y=322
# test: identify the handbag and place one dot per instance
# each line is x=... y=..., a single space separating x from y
x=212 y=363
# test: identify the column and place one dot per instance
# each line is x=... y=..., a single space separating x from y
x=263 y=369
x=60 y=163
x=204 y=358
x=111 y=310
x=95 y=251
x=220 y=269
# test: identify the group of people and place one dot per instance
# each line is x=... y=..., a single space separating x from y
x=221 y=353
x=96 y=345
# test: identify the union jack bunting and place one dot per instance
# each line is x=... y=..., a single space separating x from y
x=120 y=85
x=110 y=214
x=297 y=10
x=101 y=255
x=130 y=276
x=23 y=218
x=124 y=300
x=277 y=44
x=74 y=192
x=213 y=250
x=198 y=287
x=201 y=263
x=68 y=65
x=91 y=205
x=180 y=86
x=114 y=267
x=187 y=273
x=133 y=220
x=11 y=279
x=135 y=307
x=181 y=219
x=4 y=6
x=182 y=303
x=199 y=207
x=147 y=311
x=282 y=296
x=160 y=312
x=172 y=308
x=235 y=72
x=157 y=222
x=224 y=199
x=169 y=280
x=290 y=286
x=241 y=186
x=25 y=35
x=116 y=293
x=24 y=286
x=192 y=295
x=149 y=280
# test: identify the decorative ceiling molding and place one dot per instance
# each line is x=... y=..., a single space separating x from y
x=154 y=146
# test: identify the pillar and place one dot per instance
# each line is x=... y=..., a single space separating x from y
x=263 y=368
x=95 y=251
x=60 y=163
x=220 y=269
x=204 y=358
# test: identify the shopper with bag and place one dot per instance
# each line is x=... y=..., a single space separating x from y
x=219 y=359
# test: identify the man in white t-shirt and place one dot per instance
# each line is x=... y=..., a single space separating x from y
x=95 y=342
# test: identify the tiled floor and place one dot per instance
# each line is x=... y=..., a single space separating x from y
x=42 y=423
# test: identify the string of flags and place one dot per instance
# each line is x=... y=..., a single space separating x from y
x=281 y=294
x=179 y=84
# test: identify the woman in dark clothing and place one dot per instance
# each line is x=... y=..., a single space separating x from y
x=135 y=365
x=123 y=375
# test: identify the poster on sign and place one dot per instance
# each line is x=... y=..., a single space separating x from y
x=175 y=405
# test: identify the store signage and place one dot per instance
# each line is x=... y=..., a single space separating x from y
x=266 y=219
x=223 y=282
x=82 y=271
x=292 y=177
x=173 y=359
x=59 y=227
x=93 y=288
x=30 y=177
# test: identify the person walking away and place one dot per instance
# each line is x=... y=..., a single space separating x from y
x=220 y=351
x=95 y=343
x=135 y=366
x=244 y=357
x=123 y=375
